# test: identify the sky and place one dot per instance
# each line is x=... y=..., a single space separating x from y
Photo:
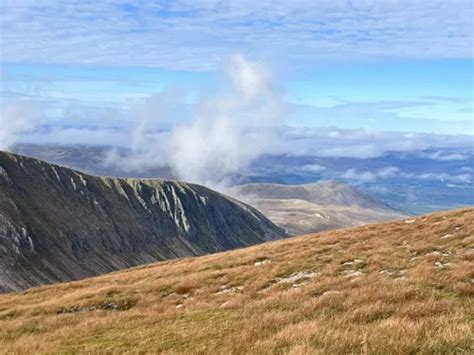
x=101 y=71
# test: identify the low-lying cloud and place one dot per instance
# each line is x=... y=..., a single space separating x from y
x=445 y=156
x=394 y=172
x=369 y=176
x=363 y=143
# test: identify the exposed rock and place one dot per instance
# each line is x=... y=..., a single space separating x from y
x=58 y=224
x=447 y=236
x=4 y=174
x=226 y=289
x=327 y=293
x=441 y=265
x=353 y=273
x=353 y=262
x=262 y=262
x=296 y=278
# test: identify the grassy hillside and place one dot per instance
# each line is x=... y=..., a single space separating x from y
x=397 y=287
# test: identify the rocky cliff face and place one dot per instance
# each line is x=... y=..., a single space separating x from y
x=58 y=224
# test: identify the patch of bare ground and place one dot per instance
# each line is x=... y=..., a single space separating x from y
x=396 y=287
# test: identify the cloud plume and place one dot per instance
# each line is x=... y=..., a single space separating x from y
x=15 y=119
x=230 y=127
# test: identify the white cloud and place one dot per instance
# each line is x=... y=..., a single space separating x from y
x=361 y=143
x=75 y=135
x=15 y=119
x=314 y=141
x=379 y=115
x=313 y=168
x=445 y=156
x=221 y=133
x=368 y=176
x=230 y=128
x=196 y=35
x=466 y=178
x=394 y=172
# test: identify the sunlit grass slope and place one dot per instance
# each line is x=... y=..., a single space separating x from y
x=397 y=287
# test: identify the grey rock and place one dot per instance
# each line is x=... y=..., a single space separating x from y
x=57 y=224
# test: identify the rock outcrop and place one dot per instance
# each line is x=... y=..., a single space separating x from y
x=57 y=224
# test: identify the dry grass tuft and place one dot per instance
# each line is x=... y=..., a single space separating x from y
x=395 y=287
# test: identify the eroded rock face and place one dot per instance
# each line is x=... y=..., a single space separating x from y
x=58 y=224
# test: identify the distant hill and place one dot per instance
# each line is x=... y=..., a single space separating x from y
x=315 y=207
x=58 y=224
x=401 y=287
x=322 y=193
x=87 y=158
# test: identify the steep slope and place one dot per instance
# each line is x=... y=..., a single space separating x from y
x=309 y=208
x=400 y=287
x=58 y=224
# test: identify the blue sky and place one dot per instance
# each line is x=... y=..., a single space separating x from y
x=374 y=65
x=404 y=95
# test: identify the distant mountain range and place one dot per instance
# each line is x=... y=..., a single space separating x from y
x=300 y=209
x=415 y=182
x=87 y=158
x=418 y=181
x=308 y=208
x=57 y=224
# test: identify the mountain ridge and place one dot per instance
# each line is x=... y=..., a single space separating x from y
x=58 y=224
x=315 y=207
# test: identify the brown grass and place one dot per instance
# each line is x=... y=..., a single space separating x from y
x=403 y=302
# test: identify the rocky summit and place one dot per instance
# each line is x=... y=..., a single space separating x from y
x=58 y=224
